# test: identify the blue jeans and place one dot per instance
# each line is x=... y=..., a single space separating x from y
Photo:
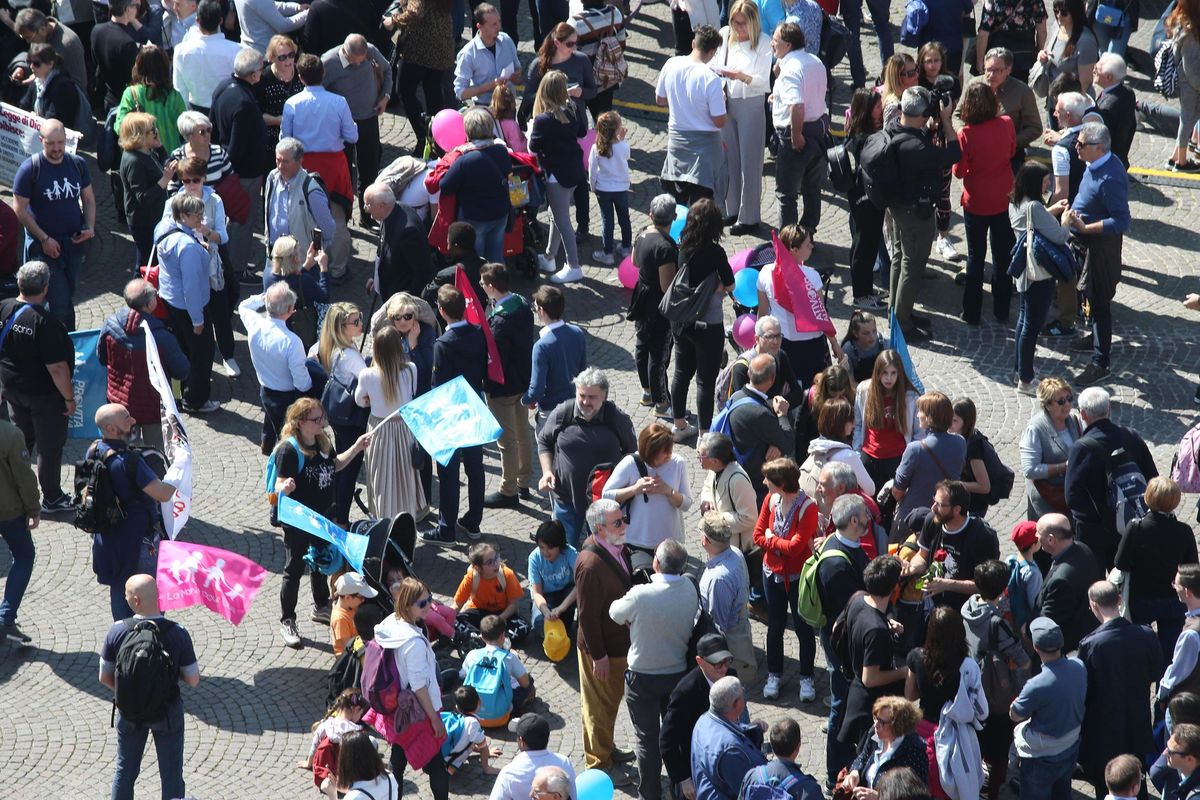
x=852 y=16
x=168 y=743
x=1166 y=612
x=1031 y=315
x=572 y=521
x=1048 y=778
x=20 y=543
x=146 y=565
x=610 y=202
x=837 y=754
x=489 y=239
x=64 y=273
x=778 y=602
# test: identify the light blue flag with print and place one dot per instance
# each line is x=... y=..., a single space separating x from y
x=89 y=382
x=901 y=348
x=449 y=417
x=352 y=545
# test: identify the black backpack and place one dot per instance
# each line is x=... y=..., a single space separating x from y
x=703 y=626
x=97 y=507
x=346 y=672
x=147 y=679
x=839 y=638
x=880 y=169
x=999 y=475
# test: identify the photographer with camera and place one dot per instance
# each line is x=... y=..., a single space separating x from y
x=988 y=141
x=1017 y=100
x=919 y=163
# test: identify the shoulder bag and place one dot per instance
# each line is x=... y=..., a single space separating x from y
x=338 y=400
x=684 y=304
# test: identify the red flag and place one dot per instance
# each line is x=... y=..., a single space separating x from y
x=476 y=315
x=795 y=294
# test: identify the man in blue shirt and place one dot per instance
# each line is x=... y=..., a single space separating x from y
x=295 y=202
x=722 y=750
x=278 y=357
x=53 y=198
x=1099 y=217
x=1182 y=674
x=1049 y=713
x=559 y=354
x=488 y=60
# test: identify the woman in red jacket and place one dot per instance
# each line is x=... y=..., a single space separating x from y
x=988 y=141
x=784 y=533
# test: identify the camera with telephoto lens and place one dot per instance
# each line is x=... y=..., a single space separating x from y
x=941 y=95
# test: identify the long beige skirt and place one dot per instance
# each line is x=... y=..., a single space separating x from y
x=393 y=486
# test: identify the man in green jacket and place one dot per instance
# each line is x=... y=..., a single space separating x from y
x=20 y=505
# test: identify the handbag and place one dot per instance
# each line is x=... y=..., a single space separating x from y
x=236 y=200
x=1055 y=494
x=1111 y=16
x=419 y=744
x=338 y=401
x=149 y=273
x=1039 y=78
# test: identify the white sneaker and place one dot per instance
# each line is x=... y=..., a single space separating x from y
x=771 y=690
x=601 y=257
x=946 y=249
x=232 y=369
x=808 y=692
x=567 y=274
x=290 y=634
x=545 y=264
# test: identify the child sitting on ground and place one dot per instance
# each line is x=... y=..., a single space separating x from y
x=489 y=587
x=344 y=715
x=350 y=591
x=497 y=675
x=464 y=735
x=552 y=575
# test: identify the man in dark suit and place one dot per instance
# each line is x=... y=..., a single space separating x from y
x=402 y=262
x=1090 y=461
x=759 y=424
x=461 y=350
x=687 y=704
x=1073 y=569
x=1122 y=662
x=1115 y=102
x=115 y=47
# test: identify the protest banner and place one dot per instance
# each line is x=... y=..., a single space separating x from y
x=177 y=510
x=89 y=383
x=192 y=574
x=449 y=417
x=353 y=546
x=19 y=139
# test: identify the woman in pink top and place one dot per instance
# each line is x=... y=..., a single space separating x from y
x=988 y=141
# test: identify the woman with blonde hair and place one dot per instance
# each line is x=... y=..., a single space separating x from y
x=744 y=62
x=893 y=743
x=279 y=81
x=286 y=267
x=390 y=382
x=1052 y=429
x=337 y=351
x=554 y=138
x=144 y=179
x=899 y=73
x=309 y=483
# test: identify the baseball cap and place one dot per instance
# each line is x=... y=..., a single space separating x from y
x=351 y=583
x=1024 y=534
x=713 y=648
x=534 y=730
x=1046 y=635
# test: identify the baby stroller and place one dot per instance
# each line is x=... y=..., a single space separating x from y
x=527 y=193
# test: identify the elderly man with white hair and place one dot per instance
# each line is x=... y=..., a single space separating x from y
x=1116 y=103
x=723 y=749
x=402 y=261
x=1104 y=454
x=278 y=357
x=725 y=593
x=295 y=202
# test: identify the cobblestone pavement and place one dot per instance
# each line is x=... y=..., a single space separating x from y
x=249 y=718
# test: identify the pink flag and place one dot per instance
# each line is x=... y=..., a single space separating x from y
x=796 y=294
x=477 y=315
x=189 y=574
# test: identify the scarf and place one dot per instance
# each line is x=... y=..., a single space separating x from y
x=795 y=295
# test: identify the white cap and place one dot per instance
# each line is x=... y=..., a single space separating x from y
x=352 y=583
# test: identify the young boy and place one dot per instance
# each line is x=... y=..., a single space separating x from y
x=784 y=736
x=1029 y=577
x=552 y=575
x=464 y=735
x=489 y=587
x=494 y=634
x=351 y=589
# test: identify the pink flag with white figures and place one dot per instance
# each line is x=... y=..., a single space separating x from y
x=192 y=574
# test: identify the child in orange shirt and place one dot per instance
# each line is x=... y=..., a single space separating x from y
x=489 y=587
x=351 y=590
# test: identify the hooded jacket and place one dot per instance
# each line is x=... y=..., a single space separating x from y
x=414 y=657
x=978 y=614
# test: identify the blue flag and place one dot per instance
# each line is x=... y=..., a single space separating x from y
x=449 y=417
x=89 y=382
x=352 y=545
x=901 y=348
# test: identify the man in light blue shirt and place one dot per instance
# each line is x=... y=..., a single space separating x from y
x=725 y=592
x=320 y=119
x=294 y=204
x=487 y=61
x=277 y=355
x=1182 y=674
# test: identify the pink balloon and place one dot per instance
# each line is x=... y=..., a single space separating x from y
x=585 y=144
x=627 y=273
x=743 y=330
x=740 y=260
x=447 y=128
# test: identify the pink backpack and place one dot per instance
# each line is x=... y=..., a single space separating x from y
x=1185 y=468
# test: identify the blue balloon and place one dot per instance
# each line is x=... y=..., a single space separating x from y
x=745 y=287
x=594 y=784
x=677 y=226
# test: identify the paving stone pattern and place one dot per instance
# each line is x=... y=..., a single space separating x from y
x=248 y=720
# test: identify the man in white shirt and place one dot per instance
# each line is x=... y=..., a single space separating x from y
x=695 y=166
x=277 y=355
x=203 y=59
x=801 y=122
x=516 y=779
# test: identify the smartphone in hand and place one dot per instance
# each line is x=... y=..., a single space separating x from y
x=317 y=238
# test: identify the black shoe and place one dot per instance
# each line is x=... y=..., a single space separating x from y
x=249 y=278
x=623 y=756
x=1196 y=396
x=472 y=533
x=14 y=634
x=743 y=229
x=525 y=494
x=916 y=335
x=1056 y=328
x=647 y=400
x=581 y=237
x=431 y=537
x=960 y=278
x=1081 y=345
x=498 y=500
x=59 y=506
x=921 y=321
x=727 y=221
x=972 y=323
x=1092 y=373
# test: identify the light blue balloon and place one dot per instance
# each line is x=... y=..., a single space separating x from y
x=594 y=784
x=745 y=287
x=677 y=226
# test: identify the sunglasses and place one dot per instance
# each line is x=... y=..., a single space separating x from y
x=1064 y=401
x=424 y=602
x=203 y=131
x=909 y=73
x=192 y=180
x=36 y=63
x=571 y=44
x=284 y=56
x=619 y=522
x=355 y=321
x=409 y=317
x=1080 y=144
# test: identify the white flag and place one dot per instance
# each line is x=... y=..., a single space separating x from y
x=175 y=512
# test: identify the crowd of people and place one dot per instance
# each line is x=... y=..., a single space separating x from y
x=834 y=494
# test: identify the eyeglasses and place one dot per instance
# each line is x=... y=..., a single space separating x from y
x=193 y=180
x=770 y=337
x=284 y=56
x=203 y=131
x=1178 y=753
x=619 y=522
x=424 y=602
x=408 y=317
x=314 y=419
x=36 y=63
x=879 y=721
x=1064 y=401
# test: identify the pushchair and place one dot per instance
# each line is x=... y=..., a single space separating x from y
x=527 y=193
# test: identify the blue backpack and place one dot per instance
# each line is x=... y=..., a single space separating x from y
x=489 y=677
x=454 y=729
x=720 y=424
x=764 y=786
x=271 y=472
x=1018 y=597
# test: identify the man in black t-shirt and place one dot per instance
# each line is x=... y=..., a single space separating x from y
x=967 y=543
x=656 y=258
x=36 y=362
